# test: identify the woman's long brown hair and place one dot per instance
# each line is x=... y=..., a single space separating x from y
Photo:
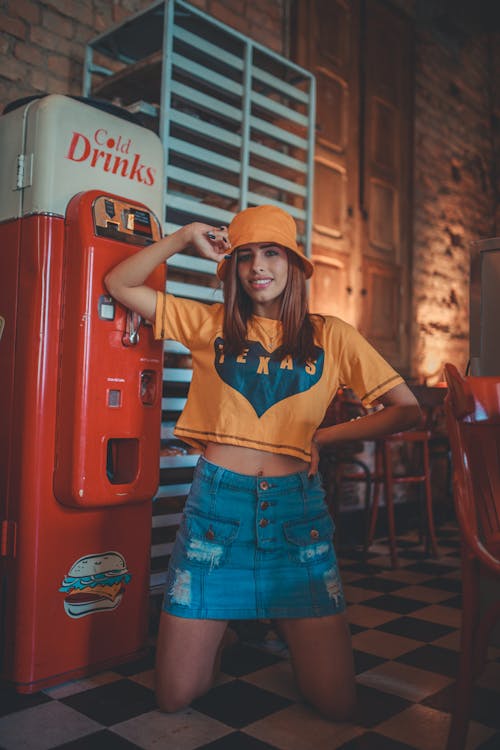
x=298 y=324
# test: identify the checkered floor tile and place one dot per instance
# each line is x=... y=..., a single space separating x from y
x=405 y=636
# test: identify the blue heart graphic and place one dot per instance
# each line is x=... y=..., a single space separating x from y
x=263 y=378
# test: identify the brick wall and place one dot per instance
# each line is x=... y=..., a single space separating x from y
x=455 y=196
x=42 y=44
x=259 y=19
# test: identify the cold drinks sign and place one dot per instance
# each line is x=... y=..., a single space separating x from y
x=112 y=152
x=86 y=148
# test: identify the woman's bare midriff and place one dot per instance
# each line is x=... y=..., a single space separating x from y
x=253 y=462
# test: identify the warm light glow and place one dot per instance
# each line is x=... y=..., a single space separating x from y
x=431 y=369
x=441 y=307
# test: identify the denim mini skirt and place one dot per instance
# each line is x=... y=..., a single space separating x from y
x=253 y=547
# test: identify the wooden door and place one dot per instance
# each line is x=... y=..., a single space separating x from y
x=385 y=182
x=326 y=44
x=360 y=52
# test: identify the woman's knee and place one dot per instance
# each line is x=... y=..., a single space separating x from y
x=173 y=698
x=170 y=704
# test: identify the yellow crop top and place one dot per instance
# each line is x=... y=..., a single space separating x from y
x=255 y=399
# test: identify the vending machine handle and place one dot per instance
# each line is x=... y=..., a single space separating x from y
x=131 y=335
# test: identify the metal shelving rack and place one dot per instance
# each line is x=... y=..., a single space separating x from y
x=237 y=124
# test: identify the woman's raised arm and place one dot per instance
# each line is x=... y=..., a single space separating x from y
x=125 y=282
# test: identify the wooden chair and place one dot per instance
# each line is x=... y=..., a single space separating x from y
x=473 y=419
x=386 y=477
x=344 y=462
x=431 y=400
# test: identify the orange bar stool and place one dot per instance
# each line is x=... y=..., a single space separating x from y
x=473 y=418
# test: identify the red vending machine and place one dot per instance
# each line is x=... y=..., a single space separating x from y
x=80 y=391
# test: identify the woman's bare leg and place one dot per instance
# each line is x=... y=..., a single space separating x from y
x=322 y=660
x=186 y=659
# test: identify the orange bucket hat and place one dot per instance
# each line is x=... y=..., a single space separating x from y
x=264 y=224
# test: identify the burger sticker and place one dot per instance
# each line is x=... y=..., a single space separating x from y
x=95 y=583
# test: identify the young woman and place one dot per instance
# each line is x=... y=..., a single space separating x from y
x=256 y=538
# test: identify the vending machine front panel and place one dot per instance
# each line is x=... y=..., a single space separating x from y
x=80 y=394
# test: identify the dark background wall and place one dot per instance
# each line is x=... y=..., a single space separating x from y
x=456 y=127
x=456 y=158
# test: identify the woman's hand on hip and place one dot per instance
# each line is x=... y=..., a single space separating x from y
x=313 y=466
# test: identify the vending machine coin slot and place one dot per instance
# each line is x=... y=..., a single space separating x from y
x=114 y=398
x=109 y=207
x=106 y=307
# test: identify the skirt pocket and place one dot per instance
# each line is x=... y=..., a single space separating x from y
x=310 y=540
x=207 y=538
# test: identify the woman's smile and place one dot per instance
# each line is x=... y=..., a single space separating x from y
x=261 y=283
